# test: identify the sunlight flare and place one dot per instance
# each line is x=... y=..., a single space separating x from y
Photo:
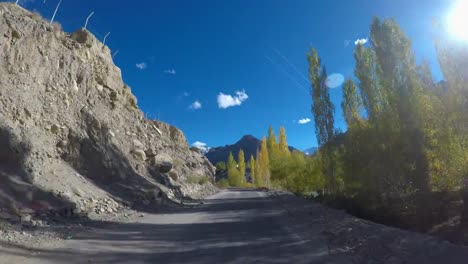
x=458 y=20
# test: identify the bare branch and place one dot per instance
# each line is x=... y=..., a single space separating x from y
x=115 y=53
x=16 y=2
x=87 y=19
x=105 y=37
x=55 y=12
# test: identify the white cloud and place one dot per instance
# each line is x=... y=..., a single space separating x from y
x=141 y=65
x=227 y=100
x=170 y=72
x=195 y=105
x=304 y=121
x=361 y=41
x=201 y=146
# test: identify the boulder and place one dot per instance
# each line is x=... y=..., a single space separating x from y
x=139 y=154
x=25 y=218
x=162 y=162
x=137 y=143
x=151 y=152
x=173 y=175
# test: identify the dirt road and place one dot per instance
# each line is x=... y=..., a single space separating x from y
x=239 y=226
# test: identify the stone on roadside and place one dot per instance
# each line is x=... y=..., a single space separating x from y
x=26 y=218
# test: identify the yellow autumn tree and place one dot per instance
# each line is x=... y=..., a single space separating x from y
x=241 y=164
x=283 y=144
x=252 y=170
x=272 y=144
x=233 y=172
x=263 y=165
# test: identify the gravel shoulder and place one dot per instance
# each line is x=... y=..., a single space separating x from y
x=363 y=241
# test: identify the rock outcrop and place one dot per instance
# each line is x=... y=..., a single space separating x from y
x=71 y=130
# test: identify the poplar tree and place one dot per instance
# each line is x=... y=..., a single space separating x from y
x=453 y=61
x=233 y=173
x=322 y=109
x=273 y=149
x=352 y=103
x=263 y=165
x=405 y=97
x=241 y=162
x=252 y=170
x=366 y=72
x=283 y=144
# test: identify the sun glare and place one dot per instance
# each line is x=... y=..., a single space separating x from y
x=458 y=20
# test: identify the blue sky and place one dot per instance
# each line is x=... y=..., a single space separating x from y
x=174 y=53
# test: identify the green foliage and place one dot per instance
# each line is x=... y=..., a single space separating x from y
x=178 y=162
x=253 y=169
x=303 y=174
x=223 y=183
x=221 y=166
x=352 y=103
x=366 y=72
x=406 y=135
x=203 y=180
x=294 y=172
x=193 y=179
x=322 y=109
x=263 y=166
x=241 y=161
x=234 y=177
x=197 y=179
x=283 y=144
x=273 y=148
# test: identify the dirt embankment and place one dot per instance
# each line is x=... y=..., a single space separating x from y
x=72 y=138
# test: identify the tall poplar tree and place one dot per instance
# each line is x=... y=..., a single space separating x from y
x=253 y=168
x=272 y=143
x=322 y=109
x=241 y=162
x=283 y=144
x=366 y=72
x=263 y=165
x=352 y=103
x=233 y=173
x=404 y=93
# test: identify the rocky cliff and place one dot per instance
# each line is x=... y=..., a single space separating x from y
x=71 y=132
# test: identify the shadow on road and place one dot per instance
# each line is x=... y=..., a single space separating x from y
x=231 y=230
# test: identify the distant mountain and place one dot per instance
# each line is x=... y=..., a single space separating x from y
x=248 y=143
x=310 y=151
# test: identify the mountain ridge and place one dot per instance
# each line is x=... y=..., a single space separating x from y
x=248 y=143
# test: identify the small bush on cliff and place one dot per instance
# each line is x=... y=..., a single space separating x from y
x=203 y=180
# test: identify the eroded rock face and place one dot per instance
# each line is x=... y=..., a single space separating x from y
x=68 y=122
